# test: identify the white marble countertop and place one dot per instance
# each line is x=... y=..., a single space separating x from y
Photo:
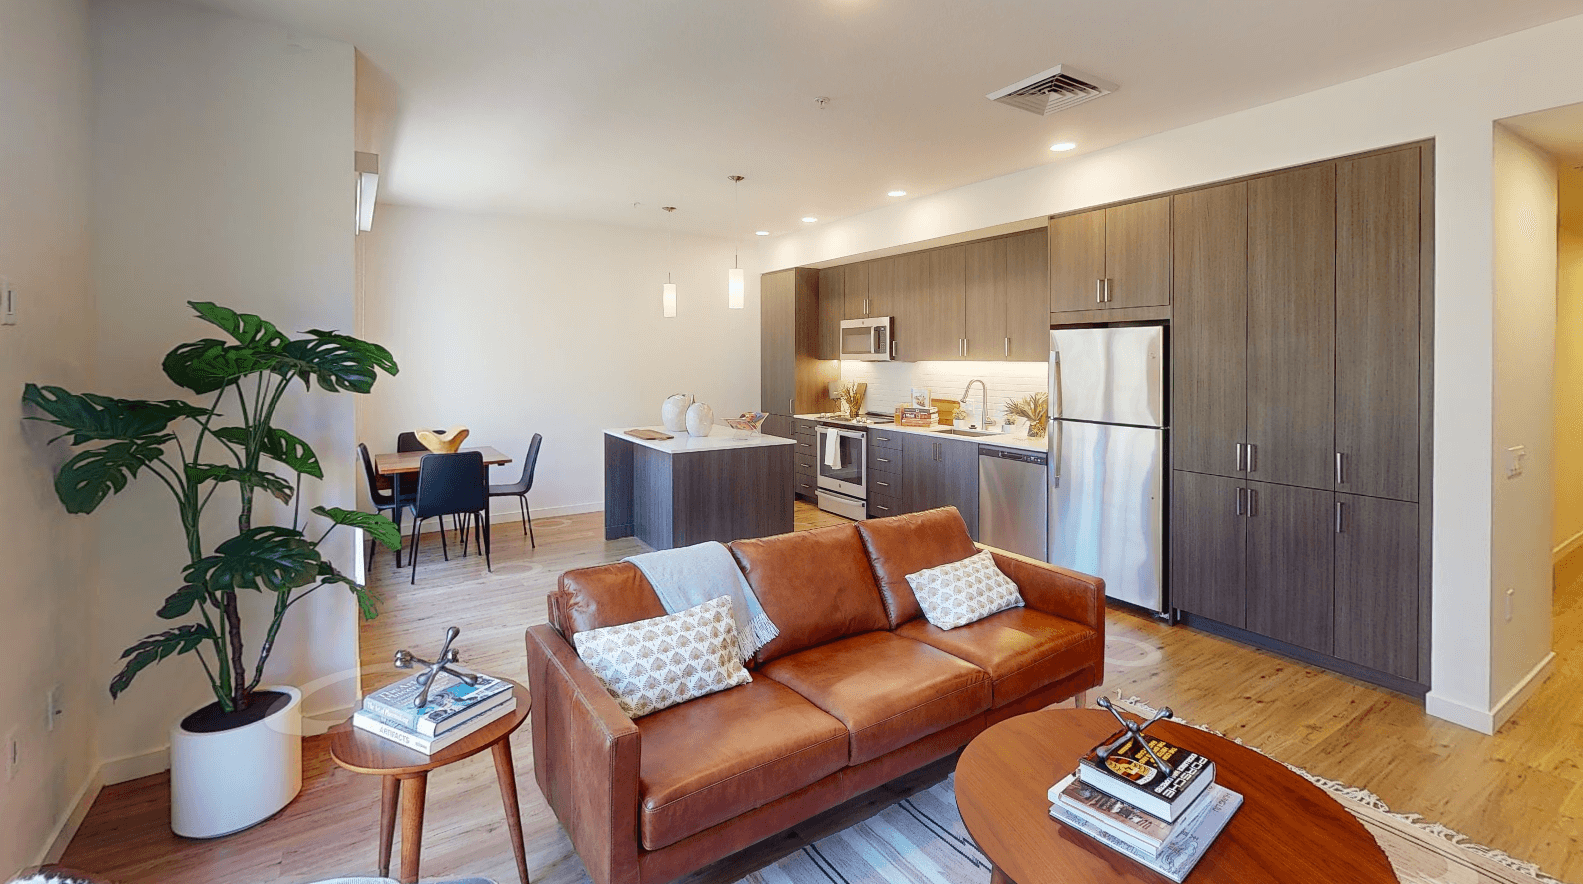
x=997 y=440
x=720 y=438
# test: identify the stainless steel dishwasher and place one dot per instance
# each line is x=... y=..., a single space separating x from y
x=1013 y=503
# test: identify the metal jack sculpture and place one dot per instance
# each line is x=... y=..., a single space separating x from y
x=1133 y=730
x=442 y=663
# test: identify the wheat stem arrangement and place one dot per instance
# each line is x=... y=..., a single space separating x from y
x=1033 y=408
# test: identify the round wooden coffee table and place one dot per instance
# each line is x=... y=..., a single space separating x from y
x=407 y=772
x=1287 y=829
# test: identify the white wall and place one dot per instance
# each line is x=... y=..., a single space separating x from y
x=223 y=171
x=513 y=326
x=47 y=594
x=1567 y=477
x=1525 y=323
x=1527 y=71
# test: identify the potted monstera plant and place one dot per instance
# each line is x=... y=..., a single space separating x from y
x=238 y=759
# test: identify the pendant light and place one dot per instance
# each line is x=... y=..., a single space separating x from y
x=736 y=283
x=668 y=291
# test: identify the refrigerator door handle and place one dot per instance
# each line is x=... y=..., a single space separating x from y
x=1055 y=453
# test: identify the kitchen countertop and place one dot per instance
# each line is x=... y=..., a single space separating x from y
x=720 y=438
x=998 y=440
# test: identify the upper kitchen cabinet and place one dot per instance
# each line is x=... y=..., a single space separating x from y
x=1007 y=299
x=854 y=290
x=1111 y=258
x=792 y=377
x=870 y=289
x=929 y=305
x=1378 y=207
x=1209 y=330
x=1291 y=357
x=832 y=309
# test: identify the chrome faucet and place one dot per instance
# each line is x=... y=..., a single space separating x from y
x=983 y=414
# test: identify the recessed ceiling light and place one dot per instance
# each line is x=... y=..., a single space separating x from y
x=809 y=219
x=761 y=233
x=1063 y=145
x=897 y=193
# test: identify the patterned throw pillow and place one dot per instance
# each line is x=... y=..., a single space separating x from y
x=959 y=593
x=651 y=664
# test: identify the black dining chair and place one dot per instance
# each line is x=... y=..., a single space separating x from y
x=522 y=487
x=406 y=442
x=384 y=498
x=451 y=485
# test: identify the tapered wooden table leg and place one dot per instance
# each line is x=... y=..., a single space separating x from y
x=413 y=791
x=390 y=788
x=506 y=773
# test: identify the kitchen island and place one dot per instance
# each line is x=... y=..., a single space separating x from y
x=688 y=489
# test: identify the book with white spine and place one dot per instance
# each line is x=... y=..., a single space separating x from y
x=1186 y=846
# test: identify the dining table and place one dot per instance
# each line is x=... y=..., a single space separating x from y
x=401 y=464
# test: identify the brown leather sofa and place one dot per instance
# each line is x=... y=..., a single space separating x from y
x=857 y=690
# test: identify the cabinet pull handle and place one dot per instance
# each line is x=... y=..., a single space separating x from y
x=1239 y=457
x=881 y=460
x=1008 y=348
x=1107 y=291
x=1341 y=475
x=1339 y=506
x=883 y=484
x=1099 y=291
x=1253 y=452
x=1239 y=500
x=882 y=507
x=1253 y=498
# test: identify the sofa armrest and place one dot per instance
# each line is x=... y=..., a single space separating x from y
x=585 y=757
x=1054 y=590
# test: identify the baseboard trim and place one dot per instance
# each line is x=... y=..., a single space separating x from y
x=321 y=721
x=1458 y=713
x=499 y=516
x=1567 y=547
x=1518 y=695
x=131 y=767
x=72 y=821
x=1488 y=721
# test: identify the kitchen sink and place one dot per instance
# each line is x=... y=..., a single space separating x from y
x=955 y=431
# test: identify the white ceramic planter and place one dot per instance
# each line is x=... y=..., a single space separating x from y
x=226 y=781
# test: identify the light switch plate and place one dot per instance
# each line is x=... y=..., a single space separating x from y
x=1514 y=461
x=7 y=302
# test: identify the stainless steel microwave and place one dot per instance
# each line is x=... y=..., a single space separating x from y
x=868 y=340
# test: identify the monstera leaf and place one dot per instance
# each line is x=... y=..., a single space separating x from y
x=279 y=446
x=181 y=640
x=249 y=330
x=83 y=482
x=269 y=557
x=250 y=480
x=208 y=365
x=178 y=603
x=338 y=362
x=367 y=602
x=87 y=417
x=377 y=526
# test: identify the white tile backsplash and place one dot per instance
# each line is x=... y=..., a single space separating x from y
x=890 y=383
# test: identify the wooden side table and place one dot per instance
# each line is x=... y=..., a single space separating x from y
x=1287 y=829
x=406 y=772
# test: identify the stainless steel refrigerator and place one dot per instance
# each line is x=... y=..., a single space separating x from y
x=1107 y=458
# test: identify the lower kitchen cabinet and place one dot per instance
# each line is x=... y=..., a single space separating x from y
x=1291 y=586
x=1377 y=584
x=941 y=472
x=1209 y=547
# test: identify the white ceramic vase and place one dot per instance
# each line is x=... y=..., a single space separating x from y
x=226 y=781
x=700 y=419
x=674 y=412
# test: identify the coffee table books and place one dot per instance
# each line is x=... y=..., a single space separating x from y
x=453 y=710
x=1133 y=774
x=1185 y=842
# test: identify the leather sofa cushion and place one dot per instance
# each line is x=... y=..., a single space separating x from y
x=816 y=585
x=1022 y=649
x=717 y=757
x=604 y=595
x=902 y=545
x=887 y=690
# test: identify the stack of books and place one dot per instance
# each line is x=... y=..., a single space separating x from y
x=1126 y=802
x=919 y=417
x=453 y=711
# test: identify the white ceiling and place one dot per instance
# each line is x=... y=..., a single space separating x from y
x=579 y=109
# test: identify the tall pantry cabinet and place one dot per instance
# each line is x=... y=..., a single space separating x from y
x=1298 y=351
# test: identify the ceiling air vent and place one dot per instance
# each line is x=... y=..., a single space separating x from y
x=1054 y=90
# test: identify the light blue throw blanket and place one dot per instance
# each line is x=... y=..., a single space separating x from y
x=688 y=576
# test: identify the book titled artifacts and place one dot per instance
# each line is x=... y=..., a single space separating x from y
x=1142 y=830
x=1132 y=774
x=451 y=703
x=1182 y=850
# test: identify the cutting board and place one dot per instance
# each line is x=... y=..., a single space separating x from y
x=649 y=435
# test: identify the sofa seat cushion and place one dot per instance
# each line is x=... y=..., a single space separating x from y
x=1022 y=649
x=717 y=757
x=887 y=690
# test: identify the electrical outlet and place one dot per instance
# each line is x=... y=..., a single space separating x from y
x=7 y=302
x=1509 y=594
x=52 y=707
x=13 y=755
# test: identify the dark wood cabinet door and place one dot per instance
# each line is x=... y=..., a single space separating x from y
x=832 y=309
x=921 y=457
x=884 y=283
x=1208 y=547
x=1077 y=261
x=1291 y=544
x=777 y=354
x=1138 y=254
x=1027 y=298
x=778 y=425
x=985 y=303
x=1292 y=326
x=854 y=290
x=1377 y=584
x=928 y=305
x=959 y=480
x=1209 y=328
x=1377 y=316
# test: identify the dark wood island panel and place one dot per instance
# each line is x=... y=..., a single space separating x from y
x=672 y=498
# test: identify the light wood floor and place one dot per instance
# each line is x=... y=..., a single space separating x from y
x=1520 y=790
